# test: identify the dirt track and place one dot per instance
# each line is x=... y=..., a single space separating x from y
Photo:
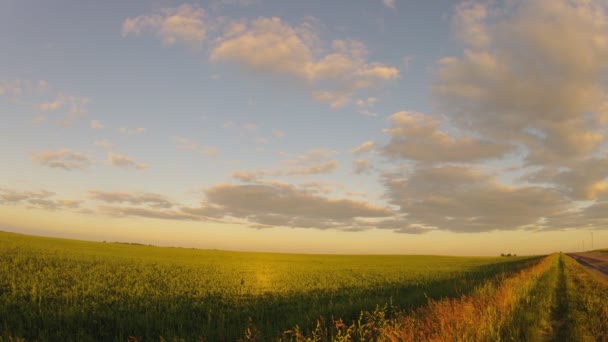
x=596 y=261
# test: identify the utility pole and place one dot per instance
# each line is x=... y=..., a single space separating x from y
x=591 y=240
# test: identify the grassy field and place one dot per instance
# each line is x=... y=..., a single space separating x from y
x=56 y=289
x=555 y=299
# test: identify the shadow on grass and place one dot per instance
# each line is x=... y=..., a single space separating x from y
x=216 y=317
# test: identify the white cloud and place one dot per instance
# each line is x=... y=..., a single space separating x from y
x=417 y=136
x=40 y=119
x=63 y=159
x=311 y=162
x=104 y=144
x=183 y=25
x=390 y=3
x=463 y=199
x=533 y=72
x=42 y=199
x=191 y=145
x=95 y=124
x=585 y=180
x=365 y=147
x=125 y=162
x=12 y=87
x=361 y=166
x=73 y=105
x=270 y=45
x=130 y=131
x=153 y=200
x=286 y=205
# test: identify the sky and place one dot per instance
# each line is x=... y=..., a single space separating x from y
x=369 y=126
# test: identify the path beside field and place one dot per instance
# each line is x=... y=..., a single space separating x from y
x=595 y=261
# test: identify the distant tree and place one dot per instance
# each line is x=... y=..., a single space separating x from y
x=502 y=254
x=509 y=254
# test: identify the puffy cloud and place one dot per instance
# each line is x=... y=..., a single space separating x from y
x=62 y=159
x=361 y=166
x=462 y=199
x=36 y=200
x=417 y=136
x=584 y=180
x=365 y=147
x=533 y=72
x=125 y=162
x=150 y=199
x=272 y=46
x=268 y=45
x=183 y=25
x=281 y=204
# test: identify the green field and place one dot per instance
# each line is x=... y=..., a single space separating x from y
x=57 y=289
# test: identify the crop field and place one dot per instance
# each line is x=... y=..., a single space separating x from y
x=55 y=289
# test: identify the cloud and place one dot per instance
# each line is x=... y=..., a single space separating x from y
x=121 y=211
x=311 y=162
x=389 y=3
x=130 y=131
x=269 y=45
x=281 y=204
x=125 y=162
x=417 y=136
x=11 y=87
x=583 y=181
x=532 y=73
x=63 y=159
x=104 y=143
x=40 y=119
x=73 y=105
x=247 y=176
x=36 y=200
x=150 y=199
x=370 y=101
x=191 y=145
x=95 y=124
x=365 y=147
x=463 y=199
x=305 y=170
x=179 y=25
x=361 y=166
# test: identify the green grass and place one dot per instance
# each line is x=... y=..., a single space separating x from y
x=57 y=289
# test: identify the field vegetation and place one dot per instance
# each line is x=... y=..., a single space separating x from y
x=56 y=289
x=556 y=299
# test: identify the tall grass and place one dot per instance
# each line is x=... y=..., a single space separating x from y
x=587 y=300
x=486 y=314
x=555 y=299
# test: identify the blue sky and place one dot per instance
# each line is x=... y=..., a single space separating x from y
x=473 y=127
